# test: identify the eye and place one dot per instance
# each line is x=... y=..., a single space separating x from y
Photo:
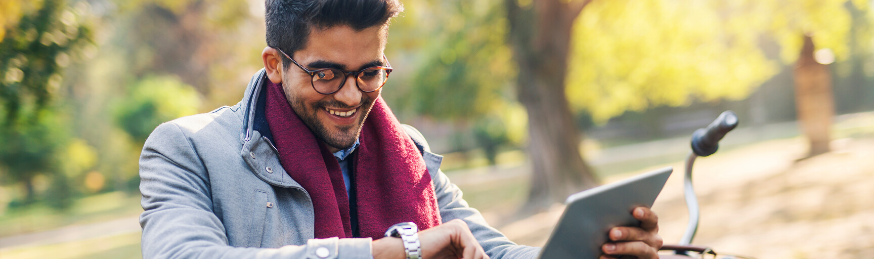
x=325 y=75
x=370 y=73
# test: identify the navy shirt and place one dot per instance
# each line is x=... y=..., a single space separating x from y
x=345 y=160
x=342 y=156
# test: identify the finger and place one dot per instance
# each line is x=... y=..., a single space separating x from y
x=648 y=219
x=629 y=234
x=636 y=234
x=636 y=248
x=481 y=254
x=607 y=257
x=471 y=247
x=473 y=250
x=469 y=252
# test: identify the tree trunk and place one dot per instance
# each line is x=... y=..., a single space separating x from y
x=29 y=191
x=813 y=98
x=540 y=36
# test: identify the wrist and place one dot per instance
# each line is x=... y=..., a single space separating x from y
x=388 y=248
x=408 y=232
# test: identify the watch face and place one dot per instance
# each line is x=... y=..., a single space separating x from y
x=393 y=232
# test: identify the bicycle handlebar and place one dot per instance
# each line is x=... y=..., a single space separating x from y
x=705 y=142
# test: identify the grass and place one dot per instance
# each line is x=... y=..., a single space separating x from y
x=91 y=209
x=121 y=246
x=502 y=193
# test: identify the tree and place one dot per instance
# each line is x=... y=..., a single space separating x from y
x=859 y=51
x=614 y=56
x=29 y=149
x=153 y=101
x=540 y=34
x=195 y=40
x=634 y=55
x=598 y=57
x=467 y=64
x=33 y=53
x=10 y=12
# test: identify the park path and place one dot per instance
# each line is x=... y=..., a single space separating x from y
x=72 y=233
x=762 y=201
x=675 y=147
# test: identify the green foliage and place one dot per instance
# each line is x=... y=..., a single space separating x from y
x=467 y=68
x=490 y=133
x=827 y=21
x=58 y=195
x=626 y=54
x=42 y=146
x=30 y=148
x=153 y=101
x=218 y=13
x=458 y=67
x=34 y=52
x=199 y=41
x=633 y=55
x=39 y=39
x=78 y=157
x=10 y=12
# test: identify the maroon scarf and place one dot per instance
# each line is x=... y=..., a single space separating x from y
x=392 y=183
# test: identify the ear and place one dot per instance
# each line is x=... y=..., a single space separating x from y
x=272 y=64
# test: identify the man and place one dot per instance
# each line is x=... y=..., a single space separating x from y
x=312 y=163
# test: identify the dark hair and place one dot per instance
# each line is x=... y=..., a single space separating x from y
x=289 y=21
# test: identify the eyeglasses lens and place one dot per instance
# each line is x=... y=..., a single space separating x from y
x=330 y=80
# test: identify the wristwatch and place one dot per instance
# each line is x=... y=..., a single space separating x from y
x=409 y=233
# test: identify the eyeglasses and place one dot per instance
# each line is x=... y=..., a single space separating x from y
x=330 y=80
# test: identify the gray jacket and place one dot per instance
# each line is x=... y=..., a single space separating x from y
x=213 y=187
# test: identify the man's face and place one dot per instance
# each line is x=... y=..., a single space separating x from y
x=328 y=116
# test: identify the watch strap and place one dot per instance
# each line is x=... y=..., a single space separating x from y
x=409 y=234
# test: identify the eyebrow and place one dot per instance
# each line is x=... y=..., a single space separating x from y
x=319 y=64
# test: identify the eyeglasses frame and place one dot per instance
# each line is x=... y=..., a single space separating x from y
x=346 y=74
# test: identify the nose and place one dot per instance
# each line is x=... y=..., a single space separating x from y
x=349 y=94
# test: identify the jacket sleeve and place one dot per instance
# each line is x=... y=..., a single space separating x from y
x=178 y=219
x=453 y=206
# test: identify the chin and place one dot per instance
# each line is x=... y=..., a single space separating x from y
x=343 y=138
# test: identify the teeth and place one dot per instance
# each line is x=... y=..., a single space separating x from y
x=341 y=114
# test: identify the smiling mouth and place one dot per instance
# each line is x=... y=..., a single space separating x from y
x=341 y=113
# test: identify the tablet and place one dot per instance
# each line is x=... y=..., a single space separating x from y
x=590 y=214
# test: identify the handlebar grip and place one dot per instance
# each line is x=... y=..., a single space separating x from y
x=705 y=142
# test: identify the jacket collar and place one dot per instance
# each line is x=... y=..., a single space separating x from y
x=254 y=128
x=249 y=103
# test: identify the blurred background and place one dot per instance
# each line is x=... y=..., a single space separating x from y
x=528 y=101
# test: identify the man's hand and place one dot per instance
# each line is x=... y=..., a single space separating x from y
x=642 y=242
x=451 y=240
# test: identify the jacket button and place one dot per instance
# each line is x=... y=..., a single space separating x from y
x=322 y=252
x=269 y=204
x=252 y=154
x=269 y=170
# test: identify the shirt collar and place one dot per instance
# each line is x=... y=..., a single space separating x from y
x=342 y=154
